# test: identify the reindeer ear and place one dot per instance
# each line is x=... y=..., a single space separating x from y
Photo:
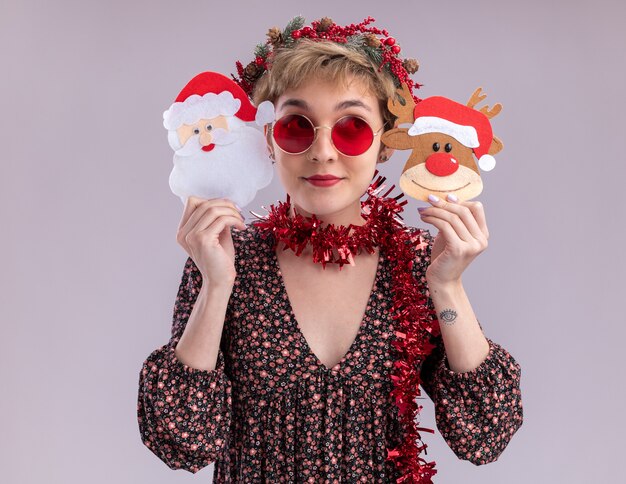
x=397 y=138
x=496 y=146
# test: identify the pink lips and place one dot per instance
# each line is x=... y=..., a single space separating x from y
x=323 y=180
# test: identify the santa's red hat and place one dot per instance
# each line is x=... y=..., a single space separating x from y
x=468 y=126
x=211 y=94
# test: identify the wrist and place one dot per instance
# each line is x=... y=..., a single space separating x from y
x=447 y=287
x=217 y=287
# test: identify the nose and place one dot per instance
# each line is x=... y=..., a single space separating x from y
x=206 y=138
x=441 y=164
x=322 y=148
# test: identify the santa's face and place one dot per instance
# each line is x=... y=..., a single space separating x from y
x=220 y=163
x=204 y=129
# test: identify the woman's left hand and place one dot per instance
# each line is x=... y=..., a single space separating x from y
x=462 y=236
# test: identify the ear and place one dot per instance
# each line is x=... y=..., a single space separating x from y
x=268 y=140
x=268 y=136
x=496 y=146
x=385 y=153
x=397 y=138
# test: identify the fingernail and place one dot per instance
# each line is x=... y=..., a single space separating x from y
x=452 y=197
x=433 y=198
x=238 y=207
x=421 y=209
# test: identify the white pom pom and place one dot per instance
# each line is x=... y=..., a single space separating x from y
x=265 y=113
x=487 y=162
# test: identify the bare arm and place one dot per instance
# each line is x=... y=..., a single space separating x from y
x=462 y=236
x=464 y=341
x=473 y=382
x=200 y=343
x=205 y=234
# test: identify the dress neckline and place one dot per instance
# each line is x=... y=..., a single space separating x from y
x=365 y=321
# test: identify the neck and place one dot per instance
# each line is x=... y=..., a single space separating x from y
x=345 y=217
x=331 y=246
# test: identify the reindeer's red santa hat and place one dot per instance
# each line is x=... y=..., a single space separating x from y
x=211 y=94
x=468 y=126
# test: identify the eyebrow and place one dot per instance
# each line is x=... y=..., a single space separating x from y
x=350 y=103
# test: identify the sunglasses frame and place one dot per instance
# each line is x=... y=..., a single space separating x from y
x=315 y=128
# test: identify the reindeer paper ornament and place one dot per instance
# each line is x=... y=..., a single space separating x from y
x=446 y=138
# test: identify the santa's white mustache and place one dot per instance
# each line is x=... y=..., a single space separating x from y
x=219 y=136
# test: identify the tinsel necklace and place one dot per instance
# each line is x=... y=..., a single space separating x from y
x=416 y=324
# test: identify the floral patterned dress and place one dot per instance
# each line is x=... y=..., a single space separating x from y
x=272 y=412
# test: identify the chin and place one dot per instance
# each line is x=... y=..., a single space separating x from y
x=318 y=208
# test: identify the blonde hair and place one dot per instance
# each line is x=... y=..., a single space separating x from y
x=334 y=62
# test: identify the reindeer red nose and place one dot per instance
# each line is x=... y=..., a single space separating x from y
x=441 y=164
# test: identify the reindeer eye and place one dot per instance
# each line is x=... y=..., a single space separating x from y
x=196 y=131
x=435 y=146
x=448 y=148
x=209 y=127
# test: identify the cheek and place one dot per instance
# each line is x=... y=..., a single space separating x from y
x=220 y=122
x=371 y=156
x=286 y=169
x=184 y=133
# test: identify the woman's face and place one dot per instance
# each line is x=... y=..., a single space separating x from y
x=324 y=103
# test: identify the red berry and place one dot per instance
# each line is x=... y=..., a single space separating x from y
x=390 y=41
x=259 y=61
x=296 y=34
x=395 y=49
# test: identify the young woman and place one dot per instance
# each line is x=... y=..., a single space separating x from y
x=279 y=368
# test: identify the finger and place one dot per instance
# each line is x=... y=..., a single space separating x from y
x=213 y=232
x=445 y=228
x=201 y=209
x=192 y=227
x=194 y=202
x=181 y=234
x=190 y=205
x=455 y=222
x=212 y=214
x=478 y=211
x=463 y=210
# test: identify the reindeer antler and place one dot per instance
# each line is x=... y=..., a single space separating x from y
x=478 y=97
x=402 y=105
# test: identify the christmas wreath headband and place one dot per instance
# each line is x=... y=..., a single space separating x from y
x=383 y=51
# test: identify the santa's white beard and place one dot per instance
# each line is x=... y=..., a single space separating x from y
x=236 y=170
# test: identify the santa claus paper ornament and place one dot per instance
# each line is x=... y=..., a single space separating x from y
x=219 y=146
x=446 y=139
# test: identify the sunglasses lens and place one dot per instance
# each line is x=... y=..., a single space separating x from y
x=293 y=133
x=352 y=136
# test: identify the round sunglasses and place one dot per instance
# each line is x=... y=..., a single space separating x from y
x=350 y=135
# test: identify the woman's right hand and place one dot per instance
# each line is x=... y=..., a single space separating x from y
x=204 y=233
